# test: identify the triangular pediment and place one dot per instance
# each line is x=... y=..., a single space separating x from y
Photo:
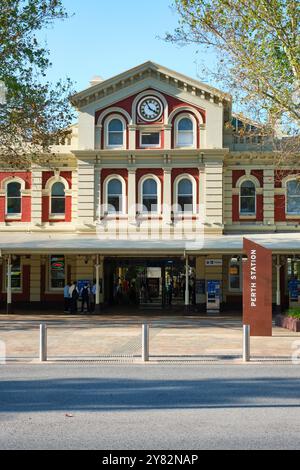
x=143 y=72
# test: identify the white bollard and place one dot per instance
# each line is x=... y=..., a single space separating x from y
x=246 y=343
x=43 y=342
x=145 y=342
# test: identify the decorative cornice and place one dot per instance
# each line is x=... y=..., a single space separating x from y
x=146 y=71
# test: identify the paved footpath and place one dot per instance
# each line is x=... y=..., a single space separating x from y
x=171 y=337
x=149 y=407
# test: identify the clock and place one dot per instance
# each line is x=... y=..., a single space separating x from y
x=150 y=109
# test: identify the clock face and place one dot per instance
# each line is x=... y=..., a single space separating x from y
x=150 y=109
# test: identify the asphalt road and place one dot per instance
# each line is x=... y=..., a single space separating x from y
x=149 y=407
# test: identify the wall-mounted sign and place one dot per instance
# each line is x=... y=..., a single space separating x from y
x=213 y=262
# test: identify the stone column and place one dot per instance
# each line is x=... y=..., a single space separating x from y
x=132 y=195
x=9 y=293
x=268 y=190
x=167 y=196
x=36 y=196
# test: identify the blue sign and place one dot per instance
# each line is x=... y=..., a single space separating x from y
x=294 y=286
x=214 y=287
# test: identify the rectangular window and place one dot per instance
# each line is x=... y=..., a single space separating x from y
x=150 y=139
x=235 y=274
x=13 y=205
x=16 y=272
x=58 y=205
x=57 y=272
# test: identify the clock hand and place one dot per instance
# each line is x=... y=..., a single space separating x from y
x=152 y=109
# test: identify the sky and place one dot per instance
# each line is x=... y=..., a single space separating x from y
x=107 y=37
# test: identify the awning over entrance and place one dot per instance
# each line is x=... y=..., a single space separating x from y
x=41 y=243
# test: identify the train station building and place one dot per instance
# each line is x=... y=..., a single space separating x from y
x=150 y=198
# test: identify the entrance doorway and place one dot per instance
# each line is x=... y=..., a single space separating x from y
x=147 y=284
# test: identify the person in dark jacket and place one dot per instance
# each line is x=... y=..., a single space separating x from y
x=85 y=298
x=74 y=297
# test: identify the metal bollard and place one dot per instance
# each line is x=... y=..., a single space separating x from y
x=246 y=343
x=43 y=342
x=145 y=342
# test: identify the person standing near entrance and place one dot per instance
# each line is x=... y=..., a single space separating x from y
x=85 y=298
x=74 y=294
x=67 y=298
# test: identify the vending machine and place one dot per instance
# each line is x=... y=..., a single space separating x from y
x=213 y=297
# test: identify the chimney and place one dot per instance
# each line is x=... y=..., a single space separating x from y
x=96 y=80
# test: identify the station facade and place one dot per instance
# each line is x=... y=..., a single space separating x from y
x=150 y=198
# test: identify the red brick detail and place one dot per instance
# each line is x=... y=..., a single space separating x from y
x=236 y=175
x=280 y=208
x=47 y=175
x=181 y=171
x=24 y=175
x=281 y=174
x=258 y=174
x=108 y=172
x=103 y=130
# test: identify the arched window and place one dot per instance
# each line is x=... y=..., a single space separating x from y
x=114 y=196
x=115 y=132
x=150 y=195
x=13 y=198
x=185 y=195
x=58 y=199
x=293 y=197
x=185 y=132
x=247 y=198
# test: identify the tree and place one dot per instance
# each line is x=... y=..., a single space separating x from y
x=258 y=46
x=33 y=113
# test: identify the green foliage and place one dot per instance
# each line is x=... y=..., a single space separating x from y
x=294 y=313
x=259 y=47
x=35 y=113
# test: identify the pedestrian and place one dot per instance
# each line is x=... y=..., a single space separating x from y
x=85 y=298
x=94 y=290
x=67 y=298
x=74 y=297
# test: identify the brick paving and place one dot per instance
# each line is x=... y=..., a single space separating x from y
x=171 y=337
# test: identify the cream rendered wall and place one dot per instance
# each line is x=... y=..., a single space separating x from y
x=214 y=192
x=86 y=193
x=35 y=278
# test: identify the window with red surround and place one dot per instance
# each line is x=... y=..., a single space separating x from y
x=15 y=197
x=247 y=197
x=57 y=197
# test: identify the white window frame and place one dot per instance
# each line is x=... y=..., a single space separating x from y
x=140 y=193
x=194 y=188
x=105 y=195
x=17 y=290
x=176 y=134
x=286 y=181
x=106 y=132
x=48 y=192
x=16 y=216
x=232 y=289
x=146 y=146
x=240 y=182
